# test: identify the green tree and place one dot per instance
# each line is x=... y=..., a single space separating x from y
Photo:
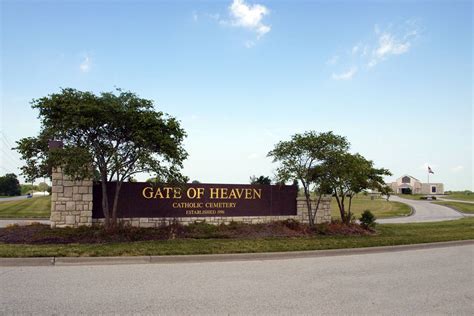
x=9 y=185
x=260 y=180
x=300 y=155
x=387 y=191
x=347 y=174
x=42 y=186
x=118 y=134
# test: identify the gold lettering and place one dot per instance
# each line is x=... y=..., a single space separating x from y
x=214 y=193
x=200 y=192
x=224 y=193
x=257 y=193
x=248 y=194
x=239 y=193
x=158 y=194
x=167 y=191
x=191 y=193
x=147 y=192
x=176 y=193
x=232 y=194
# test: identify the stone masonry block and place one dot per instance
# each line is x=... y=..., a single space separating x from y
x=83 y=189
x=70 y=220
x=70 y=206
x=57 y=189
x=68 y=183
x=68 y=192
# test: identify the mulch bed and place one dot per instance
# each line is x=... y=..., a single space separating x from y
x=43 y=234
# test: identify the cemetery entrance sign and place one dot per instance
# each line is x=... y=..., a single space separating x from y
x=198 y=200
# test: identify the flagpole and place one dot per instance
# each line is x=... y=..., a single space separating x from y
x=429 y=187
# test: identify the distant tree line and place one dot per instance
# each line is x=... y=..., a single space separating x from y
x=9 y=185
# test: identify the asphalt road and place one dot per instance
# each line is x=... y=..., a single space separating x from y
x=13 y=198
x=425 y=211
x=415 y=282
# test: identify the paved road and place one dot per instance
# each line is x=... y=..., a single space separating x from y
x=13 y=198
x=425 y=211
x=429 y=281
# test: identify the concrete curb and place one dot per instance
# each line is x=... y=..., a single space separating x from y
x=75 y=261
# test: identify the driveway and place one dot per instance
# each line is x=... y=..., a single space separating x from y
x=425 y=211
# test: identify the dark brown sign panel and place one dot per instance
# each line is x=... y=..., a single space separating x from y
x=198 y=200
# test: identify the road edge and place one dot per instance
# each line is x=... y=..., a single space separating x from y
x=76 y=261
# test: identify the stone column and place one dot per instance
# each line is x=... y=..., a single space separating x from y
x=71 y=201
x=323 y=215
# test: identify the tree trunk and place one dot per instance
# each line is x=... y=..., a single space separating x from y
x=118 y=185
x=340 y=204
x=105 y=200
x=349 y=214
x=308 y=204
x=317 y=206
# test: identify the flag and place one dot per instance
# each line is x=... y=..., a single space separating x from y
x=429 y=170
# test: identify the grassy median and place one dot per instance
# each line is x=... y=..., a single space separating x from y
x=380 y=207
x=37 y=207
x=387 y=235
x=459 y=206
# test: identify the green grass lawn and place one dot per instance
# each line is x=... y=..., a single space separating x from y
x=379 y=207
x=38 y=207
x=460 y=196
x=461 y=207
x=388 y=235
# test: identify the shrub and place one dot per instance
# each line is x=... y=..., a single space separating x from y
x=367 y=219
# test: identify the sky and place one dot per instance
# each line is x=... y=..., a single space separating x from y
x=394 y=77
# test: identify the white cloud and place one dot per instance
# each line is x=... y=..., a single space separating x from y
x=214 y=16
x=355 y=49
x=388 y=45
x=392 y=44
x=457 y=169
x=395 y=40
x=333 y=60
x=85 y=66
x=249 y=16
x=345 y=75
x=249 y=44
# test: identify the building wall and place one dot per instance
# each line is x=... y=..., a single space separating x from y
x=71 y=206
x=417 y=186
x=426 y=188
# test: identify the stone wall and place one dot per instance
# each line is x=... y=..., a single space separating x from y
x=71 y=201
x=71 y=206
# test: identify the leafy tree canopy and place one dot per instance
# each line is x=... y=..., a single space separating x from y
x=116 y=133
x=298 y=156
x=345 y=174
x=260 y=180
